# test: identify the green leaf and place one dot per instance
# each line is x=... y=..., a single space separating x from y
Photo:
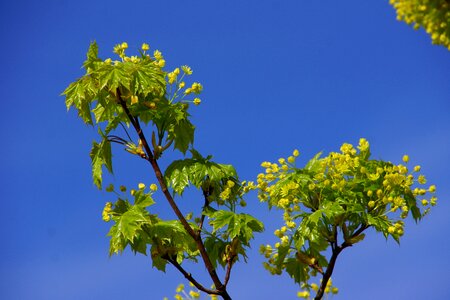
x=314 y=163
x=100 y=155
x=92 y=57
x=196 y=170
x=183 y=134
x=298 y=271
x=142 y=199
x=215 y=248
x=237 y=225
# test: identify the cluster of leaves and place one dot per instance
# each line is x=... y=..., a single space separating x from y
x=110 y=91
x=432 y=15
x=134 y=226
x=336 y=197
x=231 y=232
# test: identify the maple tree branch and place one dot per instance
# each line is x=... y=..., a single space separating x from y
x=159 y=176
x=189 y=277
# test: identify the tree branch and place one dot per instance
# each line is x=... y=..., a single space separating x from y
x=189 y=277
x=159 y=176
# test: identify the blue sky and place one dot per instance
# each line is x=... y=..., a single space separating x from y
x=278 y=75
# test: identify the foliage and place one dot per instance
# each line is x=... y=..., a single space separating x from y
x=432 y=15
x=335 y=198
x=114 y=95
x=327 y=204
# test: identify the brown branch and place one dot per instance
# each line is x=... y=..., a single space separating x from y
x=159 y=176
x=189 y=277
x=229 y=266
x=336 y=250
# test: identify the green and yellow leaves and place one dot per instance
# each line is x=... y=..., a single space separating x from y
x=333 y=199
x=235 y=225
x=200 y=172
x=134 y=226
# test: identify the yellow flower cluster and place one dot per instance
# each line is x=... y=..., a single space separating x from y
x=432 y=15
x=315 y=287
x=381 y=187
x=226 y=193
x=196 y=88
x=106 y=213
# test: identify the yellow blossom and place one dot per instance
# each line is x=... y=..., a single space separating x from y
x=157 y=55
x=303 y=294
x=405 y=158
x=134 y=99
x=194 y=294
x=145 y=47
x=124 y=45
x=180 y=288
x=421 y=179
x=186 y=69
x=141 y=186
x=295 y=153
x=197 y=101
x=432 y=188
x=153 y=187
x=161 y=63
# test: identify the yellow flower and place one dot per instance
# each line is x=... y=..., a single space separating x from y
x=296 y=153
x=291 y=159
x=186 y=69
x=161 y=63
x=106 y=212
x=134 y=99
x=334 y=290
x=432 y=188
x=180 y=288
x=145 y=47
x=141 y=186
x=421 y=179
x=405 y=158
x=416 y=168
x=363 y=144
x=314 y=287
x=303 y=294
x=108 y=61
x=153 y=187
x=230 y=183
x=194 y=294
x=124 y=45
x=178 y=297
x=176 y=71
x=157 y=55
x=197 y=101
x=424 y=202
x=196 y=87
x=181 y=85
